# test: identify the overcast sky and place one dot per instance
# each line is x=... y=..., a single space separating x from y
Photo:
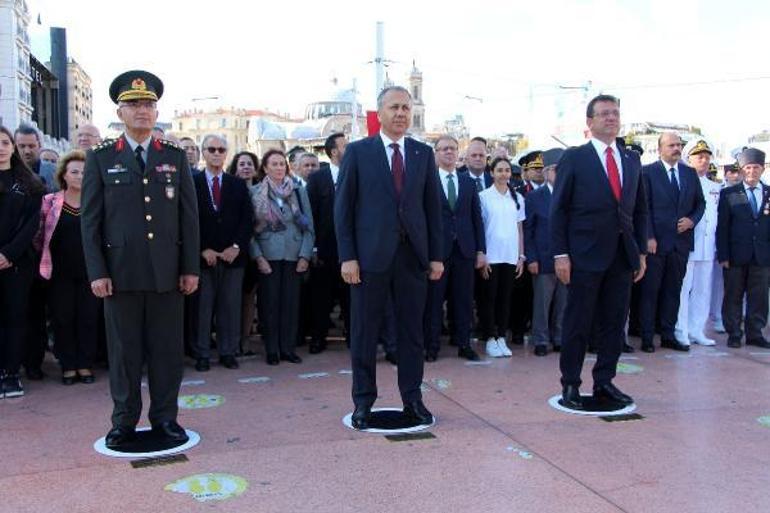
x=679 y=61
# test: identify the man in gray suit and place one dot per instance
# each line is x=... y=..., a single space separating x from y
x=141 y=244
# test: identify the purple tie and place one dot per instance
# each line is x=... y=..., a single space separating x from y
x=397 y=167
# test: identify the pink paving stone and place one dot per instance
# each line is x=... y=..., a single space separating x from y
x=700 y=447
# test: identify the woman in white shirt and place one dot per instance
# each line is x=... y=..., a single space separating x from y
x=502 y=210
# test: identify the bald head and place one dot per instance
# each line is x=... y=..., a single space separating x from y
x=88 y=136
x=476 y=157
x=670 y=148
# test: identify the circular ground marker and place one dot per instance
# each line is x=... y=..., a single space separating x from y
x=199 y=401
x=209 y=487
x=389 y=421
x=146 y=445
x=593 y=408
x=764 y=420
x=629 y=368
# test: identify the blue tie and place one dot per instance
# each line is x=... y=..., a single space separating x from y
x=753 y=201
x=674 y=184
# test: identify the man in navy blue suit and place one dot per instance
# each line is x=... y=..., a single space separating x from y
x=463 y=250
x=675 y=205
x=550 y=295
x=387 y=216
x=743 y=251
x=476 y=164
x=598 y=238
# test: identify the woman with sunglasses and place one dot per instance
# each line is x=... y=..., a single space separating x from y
x=20 y=195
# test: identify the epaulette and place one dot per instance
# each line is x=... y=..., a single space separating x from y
x=170 y=144
x=106 y=143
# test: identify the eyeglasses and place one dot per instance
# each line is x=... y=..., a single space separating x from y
x=212 y=149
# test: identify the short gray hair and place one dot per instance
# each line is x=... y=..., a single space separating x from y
x=206 y=138
x=386 y=90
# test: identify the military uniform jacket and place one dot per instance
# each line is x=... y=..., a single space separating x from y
x=742 y=238
x=139 y=229
x=705 y=247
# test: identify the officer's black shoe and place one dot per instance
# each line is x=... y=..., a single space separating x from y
x=118 y=437
x=759 y=342
x=735 y=343
x=628 y=348
x=391 y=357
x=468 y=353
x=291 y=357
x=673 y=344
x=571 y=398
x=360 y=418
x=317 y=346
x=34 y=373
x=273 y=359
x=431 y=356
x=12 y=386
x=557 y=348
x=202 y=365
x=229 y=361
x=609 y=392
x=541 y=350
x=417 y=411
x=171 y=431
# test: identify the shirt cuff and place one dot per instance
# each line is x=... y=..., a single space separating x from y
x=563 y=255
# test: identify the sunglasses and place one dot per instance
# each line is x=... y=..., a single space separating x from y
x=212 y=149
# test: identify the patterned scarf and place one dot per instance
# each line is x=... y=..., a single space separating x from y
x=266 y=209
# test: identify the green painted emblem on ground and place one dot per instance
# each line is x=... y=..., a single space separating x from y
x=629 y=368
x=199 y=401
x=764 y=420
x=209 y=487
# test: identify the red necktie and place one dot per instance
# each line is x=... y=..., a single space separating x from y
x=397 y=167
x=216 y=192
x=612 y=173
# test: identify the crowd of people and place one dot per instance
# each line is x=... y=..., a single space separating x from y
x=269 y=253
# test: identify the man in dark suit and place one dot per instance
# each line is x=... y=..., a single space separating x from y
x=326 y=284
x=550 y=295
x=743 y=251
x=139 y=220
x=675 y=205
x=226 y=224
x=598 y=238
x=463 y=250
x=476 y=164
x=387 y=215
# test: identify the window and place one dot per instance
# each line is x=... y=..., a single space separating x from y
x=223 y=123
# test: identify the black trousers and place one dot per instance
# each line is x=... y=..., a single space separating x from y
x=602 y=296
x=144 y=327
x=496 y=300
x=659 y=294
x=15 y=284
x=751 y=280
x=407 y=281
x=75 y=320
x=327 y=287
x=36 y=337
x=455 y=287
x=279 y=303
x=521 y=304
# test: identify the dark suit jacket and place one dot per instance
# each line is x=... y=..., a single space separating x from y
x=463 y=224
x=537 y=233
x=463 y=171
x=369 y=220
x=121 y=207
x=232 y=224
x=665 y=210
x=320 y=191
x=741 y=238
x=586 y=219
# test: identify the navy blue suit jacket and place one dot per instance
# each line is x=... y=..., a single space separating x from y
x=537 y=232
x=743 y=239
x=664 y=210
x=586 y=219
x=320 y=192
x=368 y=218
x=464 y=223
x=488 y=180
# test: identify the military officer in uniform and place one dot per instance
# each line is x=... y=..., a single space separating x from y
x=141 y=244
x=695 y=296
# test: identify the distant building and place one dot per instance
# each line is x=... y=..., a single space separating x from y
x=646 y=134
x=15 y=81
x=80 y=98
x=418 y=106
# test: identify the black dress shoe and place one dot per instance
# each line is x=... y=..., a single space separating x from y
x=628 y=348
x=610 y=392
x=759 y=342
x=417 y=411
x=291 y=358
x=735 y=343
x=229 y=361
x=541 y=350
x=171 y=431
x=272 y=359
x=557 y=348
x=317 y=346
x=591 y=349
x=517 y=340
x=571 y=398
x=431 y=356
x=118 y=437
x=87 y=379
x=468 y=353
x=648 y=347
x=360 y=419
x=34 y=373
x=391 y=357
x=202 y=365
x=673 y=344
x=69 y=380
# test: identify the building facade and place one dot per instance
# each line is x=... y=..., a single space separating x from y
x=15 y=82
x=80 y=98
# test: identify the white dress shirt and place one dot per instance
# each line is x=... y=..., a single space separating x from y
x=335 y=173
x=601 y=149
x=502 y=235
x=387 y=141
x=444 y=175
x=668 y=167
x=145 y=144
x=757 y=195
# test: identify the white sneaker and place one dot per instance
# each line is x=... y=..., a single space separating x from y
x=504 y=349
x=702 y=340
x=493 y=349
